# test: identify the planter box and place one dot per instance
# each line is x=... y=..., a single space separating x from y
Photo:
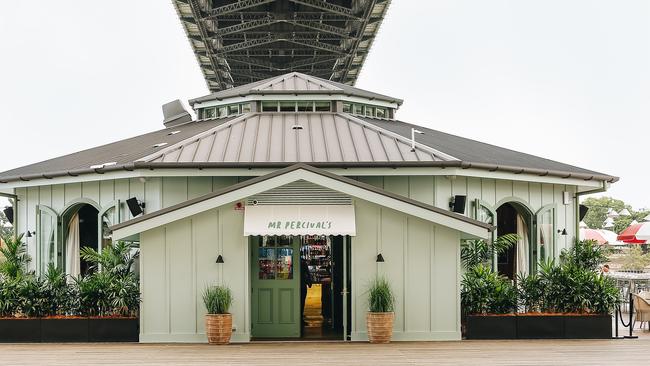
x=538 y=327
x=588 y=327
x=64 y=330
x=113 y=330
x=13 y=330
x=491 y=327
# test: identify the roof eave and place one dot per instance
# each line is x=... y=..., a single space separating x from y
x=255 y=165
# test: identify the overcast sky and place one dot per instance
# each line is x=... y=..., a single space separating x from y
x=563 y=79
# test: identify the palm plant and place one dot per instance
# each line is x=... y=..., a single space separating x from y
x=15 y=257
x=484 y=291
x=476 y=252
x=117 y=259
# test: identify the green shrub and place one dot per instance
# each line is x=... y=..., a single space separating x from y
x=217 y=299
x=475 y=252
x=380 y=296
x=14 y=258
x=59 y=295
x=586 y=254
x=32 y=297
x=483 y=291
x=9 y=301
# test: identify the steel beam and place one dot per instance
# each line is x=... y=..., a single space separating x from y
x=252 y=24
x=320 y=27
x=324 y=5
x=235 y=7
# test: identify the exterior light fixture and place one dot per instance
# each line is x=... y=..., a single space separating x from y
x=413 y=132
x=135 y=206
x=562 y=232
x=9 y=214
x=30 y=233
x=219 y=259
x=296 y=127
x=380 y=258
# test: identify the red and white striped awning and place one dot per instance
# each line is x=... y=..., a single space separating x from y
x=601 y=236
x=636 y=234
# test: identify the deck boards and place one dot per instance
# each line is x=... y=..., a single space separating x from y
x=584 y=352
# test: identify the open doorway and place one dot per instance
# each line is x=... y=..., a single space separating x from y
x=514 y=218
x=304 y=270
x=80 y=229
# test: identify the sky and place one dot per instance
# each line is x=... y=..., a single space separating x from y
x=568 y=80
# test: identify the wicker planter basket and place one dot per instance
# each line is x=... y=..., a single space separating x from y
x=218 y=328
x=380 y=327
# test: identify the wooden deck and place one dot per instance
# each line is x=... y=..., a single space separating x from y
x=601 y=352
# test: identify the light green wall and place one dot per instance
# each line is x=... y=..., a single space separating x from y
x=422 y=264
x=438 y=191
x=178 y=261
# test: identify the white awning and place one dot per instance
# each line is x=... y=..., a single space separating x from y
x=299 y=220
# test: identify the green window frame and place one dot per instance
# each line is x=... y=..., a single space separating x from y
x=287 y=106
x=270 y=106
x=347 y=107
x=322 y=106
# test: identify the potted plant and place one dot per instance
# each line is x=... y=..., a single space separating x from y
x=379 y=319
x=218 y=321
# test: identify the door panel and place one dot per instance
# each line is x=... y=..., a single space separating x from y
x=49 y=246
x=275 y=279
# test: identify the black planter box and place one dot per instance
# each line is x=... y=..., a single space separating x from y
x=588 y=327
x=64 y=330
x=538 y=327
x=491 y=327
x=113 y=330
x=20 y=330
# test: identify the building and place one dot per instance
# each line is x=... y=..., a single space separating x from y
x=295 y=168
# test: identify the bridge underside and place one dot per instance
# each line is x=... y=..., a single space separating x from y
x=238 y=42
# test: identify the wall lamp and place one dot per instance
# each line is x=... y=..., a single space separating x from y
x=29 y=234
x=562 y=232
x=380 y=258
x=219 y=259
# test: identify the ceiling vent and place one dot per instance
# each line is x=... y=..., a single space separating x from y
x=175 y=114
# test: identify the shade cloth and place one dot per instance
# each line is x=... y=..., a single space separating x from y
x=72 y=261
x=299 y=220
x=636 y=234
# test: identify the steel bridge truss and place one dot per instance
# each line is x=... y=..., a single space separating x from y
x=238 y=42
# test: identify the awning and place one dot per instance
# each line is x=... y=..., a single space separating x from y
x=299 y=220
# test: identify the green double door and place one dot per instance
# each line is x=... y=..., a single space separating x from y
x=275 y=281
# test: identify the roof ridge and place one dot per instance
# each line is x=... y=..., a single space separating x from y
x=294 y=74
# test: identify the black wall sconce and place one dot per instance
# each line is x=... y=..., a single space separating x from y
x=135 y=206
x=29 y=234
x=380 y=258
x=219 y=259
x=562 y=232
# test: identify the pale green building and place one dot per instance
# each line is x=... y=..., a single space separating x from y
x=297 y=179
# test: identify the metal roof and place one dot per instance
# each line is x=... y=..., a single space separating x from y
x=291 y=83
x=294 y=137
x=238 y=42
x=267 y=140
x=485 y=155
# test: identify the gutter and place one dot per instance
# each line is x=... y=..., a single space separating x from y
x=253 y=165
x=577 y=205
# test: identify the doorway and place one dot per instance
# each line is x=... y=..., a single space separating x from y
x=300 y=287
x=514 y=218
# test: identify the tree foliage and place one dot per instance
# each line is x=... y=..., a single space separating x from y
x=475 y=252
x=600 y=206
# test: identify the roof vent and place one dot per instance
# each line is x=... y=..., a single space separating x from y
x=160 y=144
x=175 y=114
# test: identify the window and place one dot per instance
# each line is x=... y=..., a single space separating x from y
x=233 y=109
x=380 y=112
x=271 y=106
x=358 y=109
x=370 y=111
x=209 y=113
x=305 y=106
x=245 y=108
x=275 y=258
x=322 y=106
x=347 y=107
x=287 y=106
x=223 y=111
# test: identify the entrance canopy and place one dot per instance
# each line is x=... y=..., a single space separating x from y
x=469 y=228
x=300 y=220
